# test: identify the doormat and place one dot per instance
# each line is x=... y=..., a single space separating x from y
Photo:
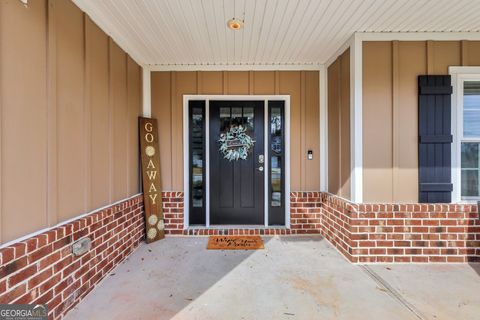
x=235 y=243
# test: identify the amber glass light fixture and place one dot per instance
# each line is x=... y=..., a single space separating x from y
x=235 y=24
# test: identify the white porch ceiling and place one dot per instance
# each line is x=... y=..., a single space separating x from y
x=276 y=32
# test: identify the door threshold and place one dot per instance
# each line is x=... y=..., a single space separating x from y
x=234 y=226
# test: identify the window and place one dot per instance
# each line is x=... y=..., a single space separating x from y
x=468 y=136
x=470 y=159
x=197 y=161
x=276 y=154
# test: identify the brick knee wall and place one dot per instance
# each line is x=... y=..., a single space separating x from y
x=335 y=223
x=42 y=269
x=403 y=233
x=364 y=233
x=173 y=212
x=305 y=212
x=305 y=215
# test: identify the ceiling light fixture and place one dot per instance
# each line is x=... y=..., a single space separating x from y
x=235 y=24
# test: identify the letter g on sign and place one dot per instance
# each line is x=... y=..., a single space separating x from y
x=148 y=128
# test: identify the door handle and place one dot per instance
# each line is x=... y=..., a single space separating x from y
x=260 y=168
x=261 y=159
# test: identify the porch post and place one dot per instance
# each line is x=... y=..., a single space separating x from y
x=146 y=92
x=356 y=132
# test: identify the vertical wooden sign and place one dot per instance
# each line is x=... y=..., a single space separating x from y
x=152 y=195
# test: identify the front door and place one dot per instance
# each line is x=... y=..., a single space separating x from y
x=237 y=162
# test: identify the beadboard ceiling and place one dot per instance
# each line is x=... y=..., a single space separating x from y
x=280 y=32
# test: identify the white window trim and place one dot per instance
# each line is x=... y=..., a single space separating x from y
x=459 y=75
x=146 y=92
x=186 y=171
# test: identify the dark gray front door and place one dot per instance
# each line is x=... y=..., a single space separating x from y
x=237 y=186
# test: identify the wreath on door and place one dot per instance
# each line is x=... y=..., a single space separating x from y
x=235 y=143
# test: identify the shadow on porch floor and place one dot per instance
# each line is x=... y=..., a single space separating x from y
x=293 y=278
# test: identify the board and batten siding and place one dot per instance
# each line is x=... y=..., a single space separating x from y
x=390 y=110
x=69 y=102
x=168 y=89
x=339 y=168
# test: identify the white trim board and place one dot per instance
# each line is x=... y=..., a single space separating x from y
x=356 y=115
x=463 y=70
x=146 y=92
x=186 y=176
x=323 y=128
x=235 y=67
x=416 y=36
x=339 y=51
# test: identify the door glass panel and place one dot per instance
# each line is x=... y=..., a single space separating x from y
x=471 y=109
x=276 y=145
x=248 y=118
x=224 y=118
x=276 y=182
x=197 y=150
x=237 y=116
x=197 y=147
x=470 y=169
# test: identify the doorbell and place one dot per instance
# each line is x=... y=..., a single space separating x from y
x=310 y=155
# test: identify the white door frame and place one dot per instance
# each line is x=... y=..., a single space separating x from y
x=186 y=171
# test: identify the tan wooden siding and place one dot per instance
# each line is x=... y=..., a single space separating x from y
x=168 y=89
x=23 y=127
x=97 y=59
x=377 y=109
x=70 y=110
x=339 y=168
x=333 y=112
x=390 y=115
x=67 y=126
x=134 y=109
x=118 y=107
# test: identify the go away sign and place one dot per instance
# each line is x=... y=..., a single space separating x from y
x=152 y=195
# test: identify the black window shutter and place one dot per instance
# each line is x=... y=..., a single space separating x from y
x=435 y=139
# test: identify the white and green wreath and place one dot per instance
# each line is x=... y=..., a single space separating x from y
x=235 y=143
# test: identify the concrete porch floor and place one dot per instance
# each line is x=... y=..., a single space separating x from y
x=293 y=278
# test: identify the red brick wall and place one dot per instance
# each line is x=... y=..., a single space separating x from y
x=420 y=233
x=173 y=212
x=304 y=217
x=42 y=269
x=305 y=212
x=335 y=223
